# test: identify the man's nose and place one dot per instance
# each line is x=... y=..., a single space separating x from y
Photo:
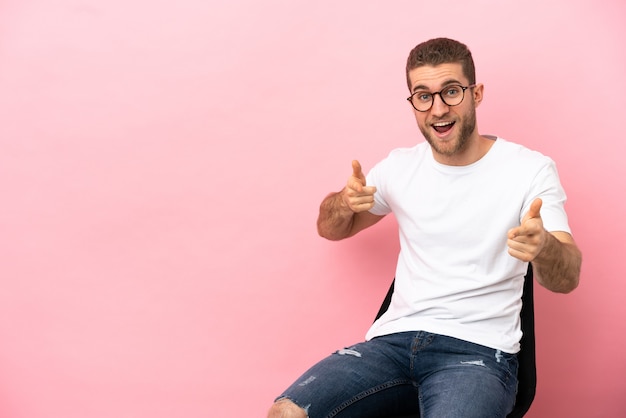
x=439 y=106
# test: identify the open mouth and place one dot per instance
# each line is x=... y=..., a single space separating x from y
x=443 y=127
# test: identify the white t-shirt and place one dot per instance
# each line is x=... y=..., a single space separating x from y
x=454 y=275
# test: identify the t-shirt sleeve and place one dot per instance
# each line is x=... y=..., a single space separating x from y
x=547 y=186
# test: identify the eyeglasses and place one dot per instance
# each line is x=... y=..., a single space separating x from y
x=451 y=95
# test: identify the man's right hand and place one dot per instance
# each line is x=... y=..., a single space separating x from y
x=346 y=213
x=356 y=195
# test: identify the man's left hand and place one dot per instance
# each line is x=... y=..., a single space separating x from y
x=526 y=241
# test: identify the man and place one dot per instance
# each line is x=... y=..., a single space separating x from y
x=472 y=211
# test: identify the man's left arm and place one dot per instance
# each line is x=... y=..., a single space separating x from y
x=554 y=255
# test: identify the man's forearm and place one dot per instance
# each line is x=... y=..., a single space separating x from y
x=335 y=218
x=557 y=267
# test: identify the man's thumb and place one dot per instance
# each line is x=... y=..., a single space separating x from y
x=535 y=208
x=357 y=171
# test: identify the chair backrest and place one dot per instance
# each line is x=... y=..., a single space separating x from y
x=527 y=371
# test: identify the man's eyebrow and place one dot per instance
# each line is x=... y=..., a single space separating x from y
x=444 y=84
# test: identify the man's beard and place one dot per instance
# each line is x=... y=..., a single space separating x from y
x=467 y=128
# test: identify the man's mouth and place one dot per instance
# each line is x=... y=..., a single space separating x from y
x=442 y=127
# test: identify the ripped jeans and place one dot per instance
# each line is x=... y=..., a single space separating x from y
x=407 y=372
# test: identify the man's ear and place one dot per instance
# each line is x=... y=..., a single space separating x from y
x=478 y=94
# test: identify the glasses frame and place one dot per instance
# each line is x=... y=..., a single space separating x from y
x=432 y=102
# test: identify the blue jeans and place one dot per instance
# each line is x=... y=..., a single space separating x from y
x=408 y=372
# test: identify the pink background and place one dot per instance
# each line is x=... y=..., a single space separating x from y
x=161 y=166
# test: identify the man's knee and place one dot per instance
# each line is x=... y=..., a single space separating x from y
x=284 y=408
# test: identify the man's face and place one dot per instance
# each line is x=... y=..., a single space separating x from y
x=448 y=129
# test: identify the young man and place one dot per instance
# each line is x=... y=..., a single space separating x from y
x=472 y=211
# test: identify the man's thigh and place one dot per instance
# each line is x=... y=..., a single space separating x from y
x=369 y=379
x=466 y=380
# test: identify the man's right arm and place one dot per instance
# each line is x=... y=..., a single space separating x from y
x=346 y=213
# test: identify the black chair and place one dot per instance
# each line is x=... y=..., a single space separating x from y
x=527 y=371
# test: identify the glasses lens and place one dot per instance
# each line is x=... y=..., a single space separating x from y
x=422 y=100
x=452 y=95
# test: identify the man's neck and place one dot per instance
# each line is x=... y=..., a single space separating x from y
x=476 y=148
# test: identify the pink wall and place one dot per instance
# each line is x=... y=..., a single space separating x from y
x=161 y=165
